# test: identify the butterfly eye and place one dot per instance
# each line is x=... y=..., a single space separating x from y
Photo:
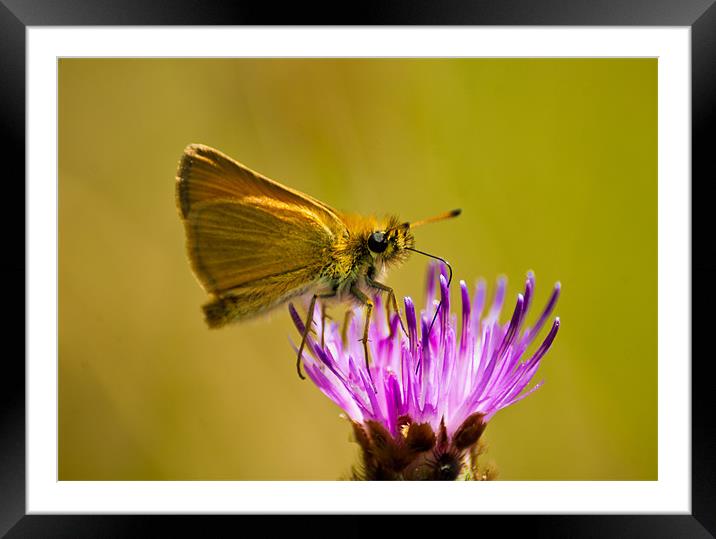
x=377 y=242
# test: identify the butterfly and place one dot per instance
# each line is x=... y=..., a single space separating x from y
x=255 y=244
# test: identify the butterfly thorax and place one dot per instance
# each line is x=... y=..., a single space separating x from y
x=352 y=260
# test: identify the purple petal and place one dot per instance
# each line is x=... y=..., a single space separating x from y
x=499 y=299
x=431 y=281
x=529 y=288
x=531 y=333
x=412 y=322
x=444 y=305
x=514 y=325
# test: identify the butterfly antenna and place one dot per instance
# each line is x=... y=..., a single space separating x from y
x=447 y=215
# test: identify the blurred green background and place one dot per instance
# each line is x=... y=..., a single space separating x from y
x=553 y=161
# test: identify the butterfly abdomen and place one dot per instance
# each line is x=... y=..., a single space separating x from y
x=249 y=301
x=221 y=311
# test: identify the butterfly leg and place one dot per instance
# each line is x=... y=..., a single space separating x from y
x=365 y=300
x=346 y=323
x=323 y=325
x=307 y=328
x=391 y=300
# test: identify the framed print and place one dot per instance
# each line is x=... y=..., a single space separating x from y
x=547 y=160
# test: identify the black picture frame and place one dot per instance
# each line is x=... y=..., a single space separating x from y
x=16 y=15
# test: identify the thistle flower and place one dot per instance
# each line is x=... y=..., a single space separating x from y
x=419 y=409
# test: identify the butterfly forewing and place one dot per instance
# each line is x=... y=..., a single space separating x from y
x=248 y=237
x=207 y=174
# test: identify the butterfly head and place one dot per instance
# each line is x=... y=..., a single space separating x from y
x=389 y=244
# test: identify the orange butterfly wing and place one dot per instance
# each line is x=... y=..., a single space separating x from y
x=248 y=236
x=207 y=174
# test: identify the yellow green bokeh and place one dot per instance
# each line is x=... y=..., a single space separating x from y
x=553 y=161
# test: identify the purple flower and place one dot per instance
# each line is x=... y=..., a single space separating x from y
x=419 y=412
